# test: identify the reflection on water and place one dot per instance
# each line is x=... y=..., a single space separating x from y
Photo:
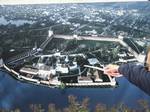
x=17 y=94
x=3 y=21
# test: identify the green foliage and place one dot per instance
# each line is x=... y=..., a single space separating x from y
x=83 y=106
x=62 y=86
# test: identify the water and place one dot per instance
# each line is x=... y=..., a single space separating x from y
x=3 y=21
x=16 y=94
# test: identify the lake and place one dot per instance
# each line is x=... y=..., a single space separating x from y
x=16 y=94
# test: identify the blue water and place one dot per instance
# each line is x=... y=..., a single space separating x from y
x=15 y=94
